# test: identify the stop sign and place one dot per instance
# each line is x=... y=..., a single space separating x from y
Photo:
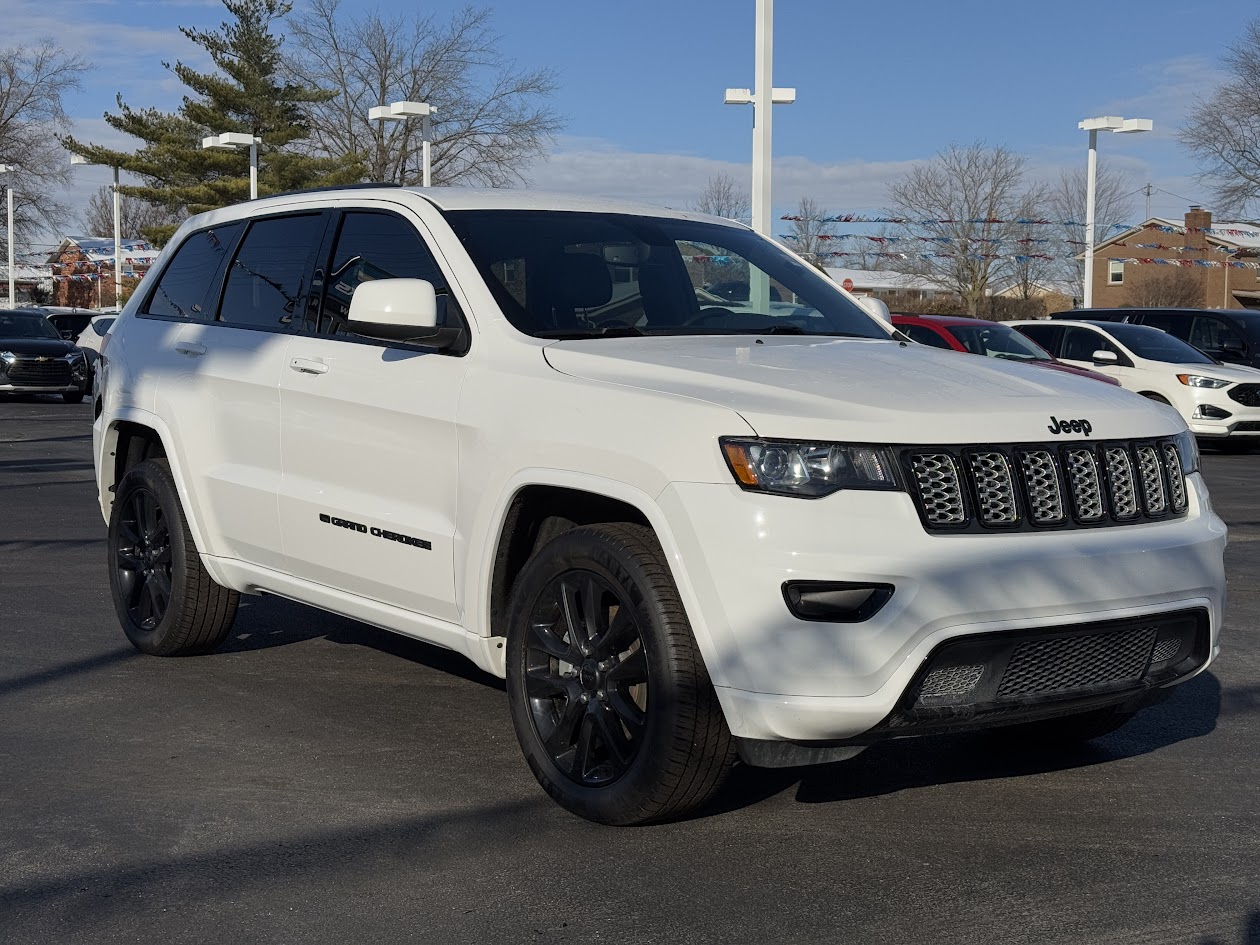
x=848 y=285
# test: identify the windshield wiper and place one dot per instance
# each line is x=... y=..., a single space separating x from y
x=608 y=331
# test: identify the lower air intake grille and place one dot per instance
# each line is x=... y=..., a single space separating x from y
x=1046 y=666
x=1069 y=485
x=1246 y=394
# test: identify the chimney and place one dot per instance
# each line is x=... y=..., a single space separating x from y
x=1197 y=220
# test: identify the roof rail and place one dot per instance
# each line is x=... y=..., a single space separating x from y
x=320 y=190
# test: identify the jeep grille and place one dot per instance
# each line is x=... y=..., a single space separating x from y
x=983 y=488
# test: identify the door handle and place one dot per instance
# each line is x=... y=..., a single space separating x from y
x=189 y=348
x=307 y=366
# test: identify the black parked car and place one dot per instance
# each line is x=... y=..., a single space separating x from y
x=1228 y=334
x=34 y=359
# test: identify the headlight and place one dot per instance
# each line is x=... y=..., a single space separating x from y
x=1187 y=451
x=1200 y=380
x=805 y=469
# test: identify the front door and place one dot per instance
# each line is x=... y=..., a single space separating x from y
x=370 y=446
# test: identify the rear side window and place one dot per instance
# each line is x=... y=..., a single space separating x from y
x=924 y=335
x=270 y=277
x=376 y=246
x=187 y=287
x=1048 y=336
x=1176 y=325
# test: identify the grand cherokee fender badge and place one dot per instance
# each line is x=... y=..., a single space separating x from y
x=376 y=532
x=1070 y=426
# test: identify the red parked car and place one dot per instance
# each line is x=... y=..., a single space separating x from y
x=992 y=339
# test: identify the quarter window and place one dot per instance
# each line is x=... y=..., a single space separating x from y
x=270 y=276
x=188 y=285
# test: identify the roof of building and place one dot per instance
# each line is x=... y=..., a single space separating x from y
x=1235 y=234
x=99 y=249
x=884 y=280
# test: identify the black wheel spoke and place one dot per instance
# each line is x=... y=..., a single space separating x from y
x=632 y=669
x=543 y=684
x=613 y=735
x=628 y=711
x=582 y=746
x=136 y=509
x=129 y=559
x=563 y=738
x=146 y=604
x=622 y=632
x=161 y=592
x=569 y=596
x=163 y=558
x=594 y=614
x=542 y=637
x=129 y=532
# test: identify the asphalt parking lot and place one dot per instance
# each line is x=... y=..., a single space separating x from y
x=319 y=780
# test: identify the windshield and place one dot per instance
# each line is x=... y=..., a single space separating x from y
x=23 y=325
x=576 y=275
x=998 y=341
x=1155 y=345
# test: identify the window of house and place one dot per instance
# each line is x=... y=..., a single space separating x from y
x=186 y=288
x=269 y=279
x=1115 y=271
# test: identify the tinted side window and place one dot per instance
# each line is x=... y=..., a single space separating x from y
x=376 y=246
x=1215 y=334
x=1176 y=325
x=187 y=287
x=1048 y=336
x=924 y=335
x=1081 y=343
x=269 y=279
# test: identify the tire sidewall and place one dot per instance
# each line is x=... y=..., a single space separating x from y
x=627 y=799
x=153 y=476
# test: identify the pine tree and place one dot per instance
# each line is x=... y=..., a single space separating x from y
x=246 y=94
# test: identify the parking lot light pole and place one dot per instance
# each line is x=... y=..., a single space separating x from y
x=1093 y=126
x=80 y=159
x=234 y=141
x=401 y=111
x=9 y=169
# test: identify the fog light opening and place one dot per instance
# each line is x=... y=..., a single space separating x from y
x=836 y=601
x=1210 y=412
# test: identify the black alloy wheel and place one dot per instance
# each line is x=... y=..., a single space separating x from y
x=609 y=695
x=143 y=559
x=587 y=677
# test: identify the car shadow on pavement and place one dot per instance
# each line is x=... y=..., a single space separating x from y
x=903 y=764
x=1250 y=933
x=264 y=621
x=41 y=677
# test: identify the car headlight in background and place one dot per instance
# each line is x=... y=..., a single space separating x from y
x=808 y=469
x=1201 y=380
x=1187 y=451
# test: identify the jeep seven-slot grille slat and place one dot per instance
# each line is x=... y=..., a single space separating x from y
x=1079 y=484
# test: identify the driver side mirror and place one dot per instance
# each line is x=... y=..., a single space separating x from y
x=1103 y=358
x=398 y=310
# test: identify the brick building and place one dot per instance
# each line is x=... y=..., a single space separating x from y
x=83 y=270
x=1183 y=263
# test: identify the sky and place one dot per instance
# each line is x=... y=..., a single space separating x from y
x=879 y=85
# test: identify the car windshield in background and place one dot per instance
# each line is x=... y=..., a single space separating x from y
x=998 y=341
x=579 y=275
x=23 y=325
x=1156 y=345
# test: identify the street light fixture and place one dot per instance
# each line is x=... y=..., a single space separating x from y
x=401 y=111
x=234 y=141
x=1093 y=126
x=80 y=159
x=9 y=169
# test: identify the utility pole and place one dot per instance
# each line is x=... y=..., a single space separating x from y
x=1148 y=190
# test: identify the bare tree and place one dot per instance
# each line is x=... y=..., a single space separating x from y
x=33 y=80
x=1177 y=288
x=136 y=217
x=962 y=204
x=723 y=197
x=809 y=232
x=1223 y=131
x=1065 y=203
x=491 y=116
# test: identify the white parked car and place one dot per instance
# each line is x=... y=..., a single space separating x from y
x=93 y=336
x=686 y=533
x=1218 y=401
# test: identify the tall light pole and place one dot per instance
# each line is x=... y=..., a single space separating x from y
x=1093 y=126
x=80 y=159
x=761 y=98
x=401 y=111
x=234 y=141
x=9 y=169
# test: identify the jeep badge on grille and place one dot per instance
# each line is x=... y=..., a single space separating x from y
x=1070 y=426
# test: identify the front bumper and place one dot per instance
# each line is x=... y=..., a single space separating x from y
x=1241 y=420
x=77 y=388
x=779 y=677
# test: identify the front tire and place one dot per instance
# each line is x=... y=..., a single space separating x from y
x=166 y=602
x=610 y=699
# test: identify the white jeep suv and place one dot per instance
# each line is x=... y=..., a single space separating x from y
x=513 y=426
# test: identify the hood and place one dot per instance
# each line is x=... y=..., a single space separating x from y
x=1073 y=369
x=863 y=390
x=37 y=347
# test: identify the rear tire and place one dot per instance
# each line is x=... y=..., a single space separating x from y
x=609 y=696
x=74 y=398
x=166 y=602
x=1158 y=398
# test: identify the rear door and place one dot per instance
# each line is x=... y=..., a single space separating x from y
x=370 y=448
x=227 y=397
